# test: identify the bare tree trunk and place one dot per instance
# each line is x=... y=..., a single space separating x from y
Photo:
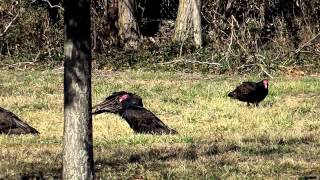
x=196 y=21
x=128 y=26
x=77 y=139
x=189 y=18
x=182 y=26
x=111 y=20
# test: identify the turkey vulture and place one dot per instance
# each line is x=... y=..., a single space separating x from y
x=251 y=92
x=129 y=106
x=111 y=104
x=11 y=124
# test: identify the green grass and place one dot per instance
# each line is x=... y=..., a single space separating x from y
x=218 y=137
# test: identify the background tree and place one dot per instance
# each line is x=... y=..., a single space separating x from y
x=77 y=140
x=189 y=19
x=110 y=15
x=128 y=26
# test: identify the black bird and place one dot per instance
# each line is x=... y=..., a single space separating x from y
x=129 y=106
x=111 y=104
x=251 y=92
x=11 y=124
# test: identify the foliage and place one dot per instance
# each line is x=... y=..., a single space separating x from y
x=30 y=37
x=239 y=37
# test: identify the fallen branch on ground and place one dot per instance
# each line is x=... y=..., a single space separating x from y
x=180 y=60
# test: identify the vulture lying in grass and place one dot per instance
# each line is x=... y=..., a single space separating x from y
x=251 y=92
x=11 y=124
x=111 y=104
x=130 y=107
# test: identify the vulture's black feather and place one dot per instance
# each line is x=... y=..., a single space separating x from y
x=12 y=124
x=130 y=107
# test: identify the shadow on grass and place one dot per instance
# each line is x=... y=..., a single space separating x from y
x=39 y=172
x=267 y=150
x=124 y=157
x=135 y=161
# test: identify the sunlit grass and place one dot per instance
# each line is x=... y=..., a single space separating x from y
x=218 y=137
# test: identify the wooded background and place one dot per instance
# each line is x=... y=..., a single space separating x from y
x=238 y=36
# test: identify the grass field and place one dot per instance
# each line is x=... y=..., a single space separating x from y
x=218 y=137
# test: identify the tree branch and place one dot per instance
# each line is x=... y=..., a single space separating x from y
x=307 y=43
x=189 y=61
x=53 y=6
x=50 y=5
x=10 y=23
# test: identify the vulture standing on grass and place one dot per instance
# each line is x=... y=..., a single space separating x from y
x=11 y=124
x=251 y=92
x=129 y=106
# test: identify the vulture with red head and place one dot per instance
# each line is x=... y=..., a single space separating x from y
x=251 y=92
x=130 y=107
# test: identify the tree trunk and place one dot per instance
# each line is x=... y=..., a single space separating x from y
x=128 y=26
x=196 y=21
x=77 y=136
x=189 y=16
x=111 y=21
x=182 y=26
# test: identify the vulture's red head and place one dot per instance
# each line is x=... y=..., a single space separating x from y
x=265 y=83
x=115 y=102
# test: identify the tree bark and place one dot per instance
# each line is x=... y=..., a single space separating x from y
x=196 y=21
x=182 y=26
x=189 y=19
x=128 y=27
x=111 y=21
x=77 y=139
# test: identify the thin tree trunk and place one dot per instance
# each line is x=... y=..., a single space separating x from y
x=77 y=139
x=189 y=19
x=196 y=21
x=111 y=21
x=182 y=26
x=128 y=26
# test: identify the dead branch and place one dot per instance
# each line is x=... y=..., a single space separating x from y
x=202 y=62
x=262 y=69
x=53 y=6
x=181 y=60
x=36 y=58
x=50 y=5
x=17 y=66
x=262 y=64
x=231 y=40
x=308 y=43
x=10 y=23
